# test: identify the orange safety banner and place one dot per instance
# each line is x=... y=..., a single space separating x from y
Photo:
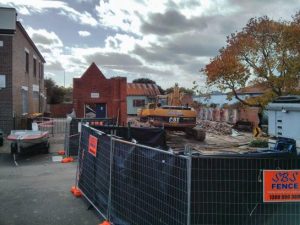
x=281 y=186
x=93 y=141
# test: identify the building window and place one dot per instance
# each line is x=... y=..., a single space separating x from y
x=42 y=71
x=39 y=66
x=34 y=67
x=27 y=62
x=138 y=102
x=24 y=94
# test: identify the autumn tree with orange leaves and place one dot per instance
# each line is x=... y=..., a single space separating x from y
x=264 y=53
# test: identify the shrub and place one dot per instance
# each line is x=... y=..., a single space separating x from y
x=259 y=143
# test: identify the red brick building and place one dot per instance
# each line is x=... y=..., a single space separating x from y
x=96 y=96
x=21 y=75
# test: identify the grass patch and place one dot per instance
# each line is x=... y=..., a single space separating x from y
x=259 y=143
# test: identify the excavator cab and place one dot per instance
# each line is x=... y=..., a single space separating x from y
x=152 y=105
x=169 y=112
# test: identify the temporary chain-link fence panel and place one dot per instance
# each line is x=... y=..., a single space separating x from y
x=148 y=186
x=229 y=191
x=94 y=168
x=133 y=184
x=55 y=126
x=73 y=131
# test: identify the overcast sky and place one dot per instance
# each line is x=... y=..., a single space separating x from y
x=165 y=40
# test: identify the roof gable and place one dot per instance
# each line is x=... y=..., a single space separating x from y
x=93 y=70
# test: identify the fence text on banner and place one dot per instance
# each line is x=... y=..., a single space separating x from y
x=281 y=185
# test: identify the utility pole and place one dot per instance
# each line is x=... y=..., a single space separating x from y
x=64 y=78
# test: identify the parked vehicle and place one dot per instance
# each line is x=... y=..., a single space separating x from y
x=27 y=140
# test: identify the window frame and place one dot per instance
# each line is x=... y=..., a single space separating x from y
x=34 y=67
x=138 y=102
x=26 y=61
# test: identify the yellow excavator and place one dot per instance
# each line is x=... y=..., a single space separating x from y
x=169 y=112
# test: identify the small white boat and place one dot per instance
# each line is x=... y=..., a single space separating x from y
x=27 y=138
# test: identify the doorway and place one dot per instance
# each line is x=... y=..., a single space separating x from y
x=101 y=110
x=95 y=110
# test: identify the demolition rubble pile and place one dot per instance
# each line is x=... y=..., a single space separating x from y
x=218 y=128
x=135 y=122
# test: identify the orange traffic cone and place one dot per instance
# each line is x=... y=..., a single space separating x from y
x=61 y=152
x=76 y=192
x=67 y=160
x=105 y=222
x=72 y=189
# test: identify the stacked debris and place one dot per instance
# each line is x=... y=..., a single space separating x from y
x=214 y=127
x=135 y=122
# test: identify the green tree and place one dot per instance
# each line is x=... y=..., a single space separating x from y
x=55 y=94
x=181 y=89
x=265 y=53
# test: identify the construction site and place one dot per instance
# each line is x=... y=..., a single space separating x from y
x=165 y=166
x=172 y=163
x=111 y=150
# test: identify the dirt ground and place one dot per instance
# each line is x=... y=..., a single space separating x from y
x=212 y=142
x=215 y=140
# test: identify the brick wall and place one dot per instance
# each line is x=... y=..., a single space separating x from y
x=6 y=114
x=21 y=77
x=61 y=110
x=249 y=114
x=12 y=64
x=231 y=115
x=112 y=92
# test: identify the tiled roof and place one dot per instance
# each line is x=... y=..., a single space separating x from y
x=141 y=89
x=257 y=89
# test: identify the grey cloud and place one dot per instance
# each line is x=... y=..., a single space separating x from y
x=174 y=22
x=76 y=61
x=63 y=8
x=180 y=49
x=157 y=53
x=193 y=67
x=196 y=44
x=171 y=22
x=184 y=4
x=42 y=39
x=142 y=70
x=112 y=59
x=53 y=66
x=273 y=8
x=113 y=43
x=44 y=49
x=190 y=3
x=250 y=5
